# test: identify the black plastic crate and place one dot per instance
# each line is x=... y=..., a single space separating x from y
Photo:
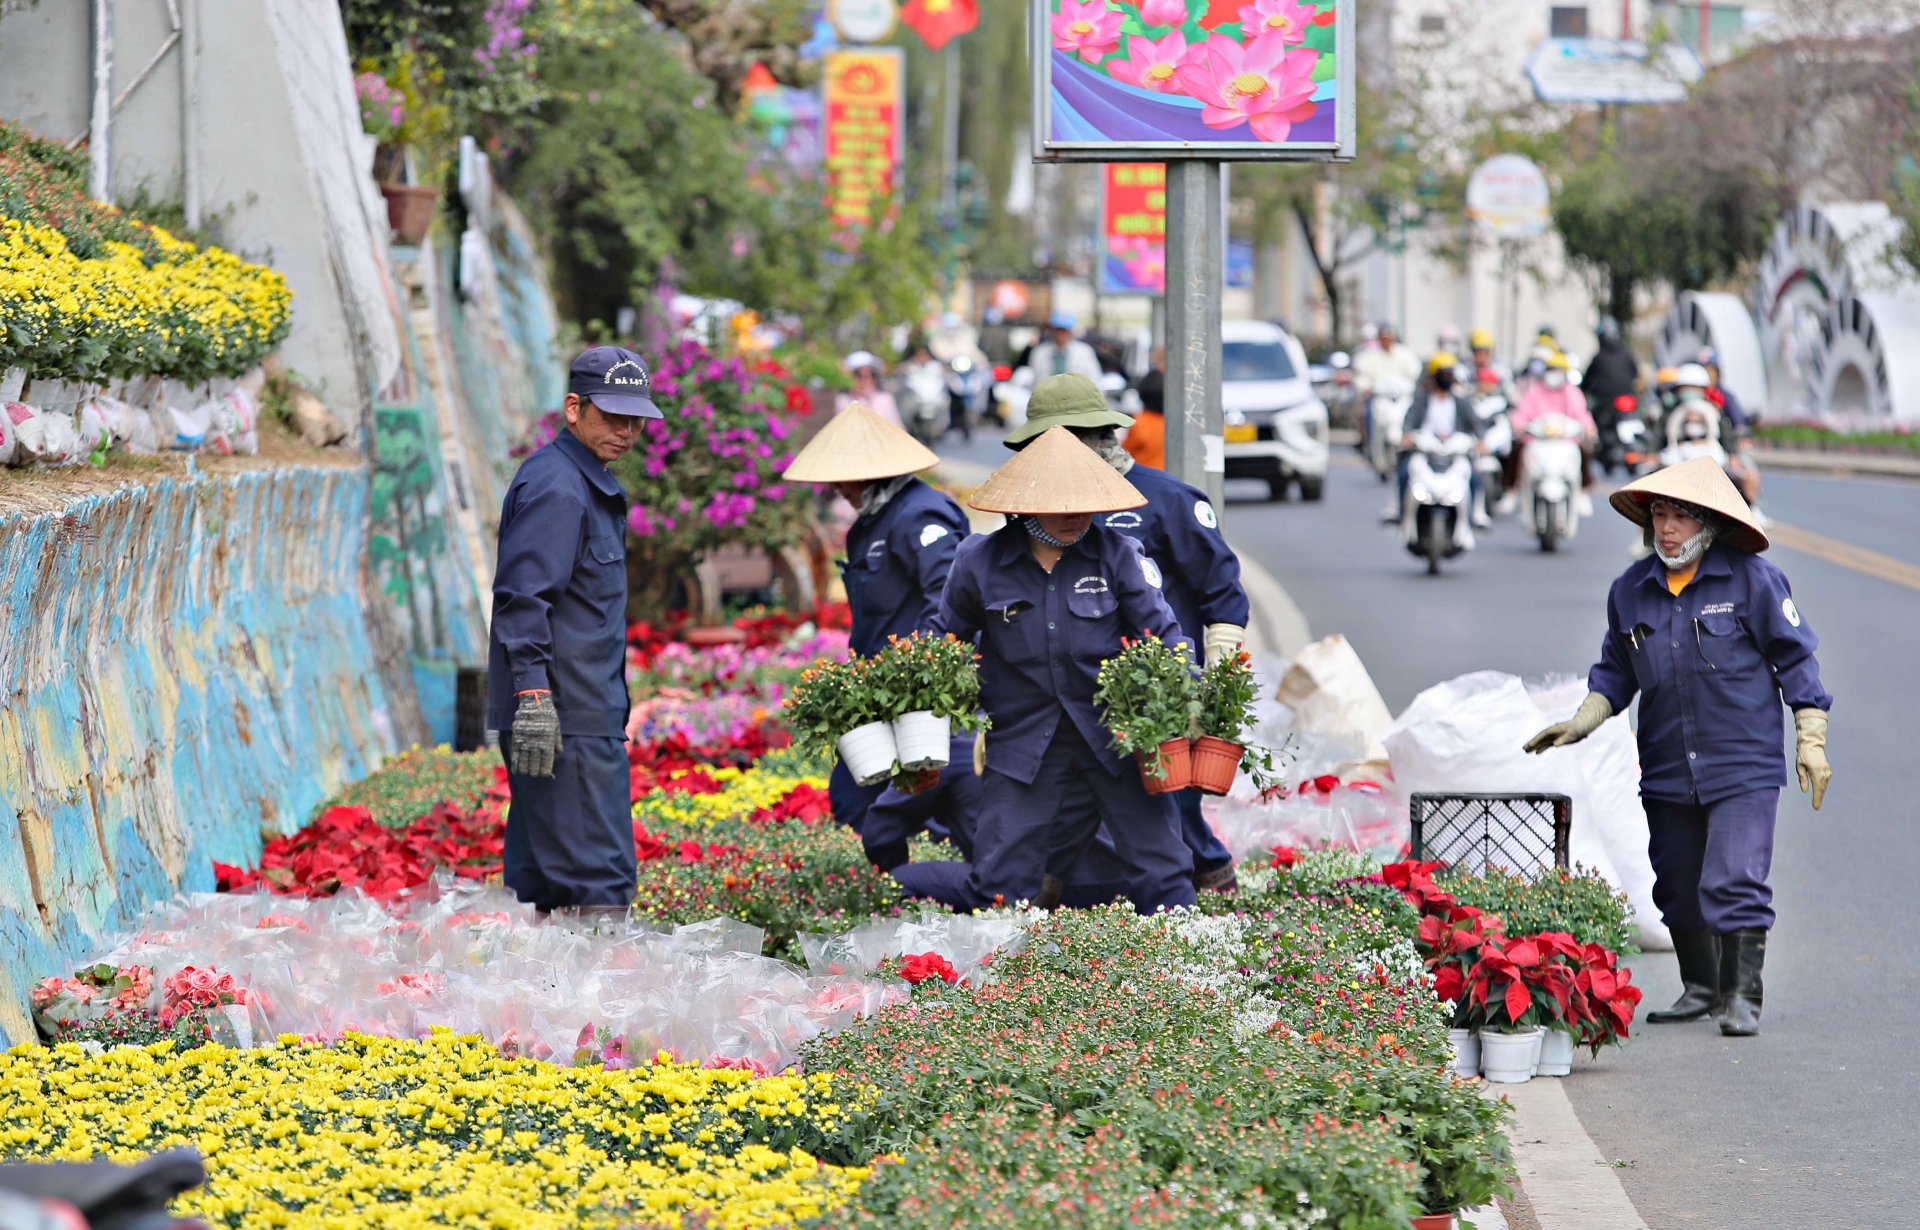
x=1521 y=832
x=470 y=709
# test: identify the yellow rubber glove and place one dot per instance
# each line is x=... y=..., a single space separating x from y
x=979 y=753
x=1594 y=710
x=1811 y=755
x=1222 y=639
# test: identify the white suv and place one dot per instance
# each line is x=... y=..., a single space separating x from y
x=1275 y=427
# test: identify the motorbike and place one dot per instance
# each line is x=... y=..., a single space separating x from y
x=969 y=389
x=923 y=400
x=1497 y=434
x=1386 y=410
x=1623 y=437
x=1436 y=520
x=1011 y=394
x=1550 y=468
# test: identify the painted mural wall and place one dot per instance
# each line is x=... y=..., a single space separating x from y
x=183 y=667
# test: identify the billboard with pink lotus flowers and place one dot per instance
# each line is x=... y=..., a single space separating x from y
x=1235 y=80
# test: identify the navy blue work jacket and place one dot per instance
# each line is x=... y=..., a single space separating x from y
x=1711 y=666
x=1042 y=635
x=897 y=563
x=1180 y=531
x=560 y=592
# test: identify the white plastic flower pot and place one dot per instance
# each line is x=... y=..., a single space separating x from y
x=922 y=741
x=1507 y=1059
x=1556 y=1053
x=1466 y=1051
x=868 y=752
x=1539 y=1037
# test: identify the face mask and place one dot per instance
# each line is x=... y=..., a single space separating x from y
x=1443 y=381
x=1694 y=429
x=1556 y=380
x=1690 y=550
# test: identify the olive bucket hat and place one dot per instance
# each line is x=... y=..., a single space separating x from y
x=1066 y=400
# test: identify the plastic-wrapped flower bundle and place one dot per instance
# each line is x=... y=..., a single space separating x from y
x=475 y=961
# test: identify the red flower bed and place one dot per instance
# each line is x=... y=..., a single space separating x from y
x=764 y=631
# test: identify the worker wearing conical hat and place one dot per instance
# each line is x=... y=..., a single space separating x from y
x=1708 y=634
x=899 y=548
x=1048 y=597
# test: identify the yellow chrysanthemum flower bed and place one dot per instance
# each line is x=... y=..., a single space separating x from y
x=442 y=1132
x=192 y=314
x=742 y=792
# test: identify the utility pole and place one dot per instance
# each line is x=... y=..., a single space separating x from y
x=1196 y=274
x=950 y=130
x=100 y=119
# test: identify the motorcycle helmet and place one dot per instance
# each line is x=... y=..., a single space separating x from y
x=1480 y=339
x=1441 y=359
x=1692 y=376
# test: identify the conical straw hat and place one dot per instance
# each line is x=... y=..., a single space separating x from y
x=1056 y=474
x=859 y=446
x=1700 y=482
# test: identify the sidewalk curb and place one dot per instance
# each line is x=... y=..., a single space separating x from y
x=1568 y=1182
x=1275 y=627
x=1840 y=465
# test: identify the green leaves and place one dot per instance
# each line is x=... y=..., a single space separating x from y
x=928 y=673
x=1148 y=695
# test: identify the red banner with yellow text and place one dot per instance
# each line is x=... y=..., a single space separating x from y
x=863 y=96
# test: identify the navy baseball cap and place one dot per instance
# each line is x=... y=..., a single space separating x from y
x=615 y=380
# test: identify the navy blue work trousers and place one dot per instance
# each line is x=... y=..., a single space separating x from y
x=1021 y=828
x=850 y=800
x=570 y=836
x=1710 y=861
x=1209 y=854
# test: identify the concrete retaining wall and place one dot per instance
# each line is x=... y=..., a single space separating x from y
x=183 y=665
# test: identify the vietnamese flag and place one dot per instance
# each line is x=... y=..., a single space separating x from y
x=937 y=21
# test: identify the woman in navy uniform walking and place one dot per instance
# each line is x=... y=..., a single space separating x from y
x=1708 y=634
x=1048 y=598
x=899 y=548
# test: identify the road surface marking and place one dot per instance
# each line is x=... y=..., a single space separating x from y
x=1845 y=554
x=1570 y=1185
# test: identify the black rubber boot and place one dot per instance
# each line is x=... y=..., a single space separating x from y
x=1741 y=955
x=1219 y=880
x=1699 y=953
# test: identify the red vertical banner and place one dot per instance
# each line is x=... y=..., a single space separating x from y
x=861 y=126
x=1133 y=228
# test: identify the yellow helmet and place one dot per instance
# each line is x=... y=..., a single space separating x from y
x=1666 y=376
x=1480 y=339
x=1443 y=360
x=1557 y=361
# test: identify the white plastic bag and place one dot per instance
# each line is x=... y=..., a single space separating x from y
x=190 y=427
x=1334 y=698
x=1466 y=736
x=8 y=437
x=43 y=439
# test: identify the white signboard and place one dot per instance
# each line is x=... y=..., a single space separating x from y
x=862 y=21
x=1611 y=70
x=1508 y=196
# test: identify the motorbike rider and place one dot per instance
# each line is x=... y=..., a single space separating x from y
x=1697 y=415
x=1611 y=374
x=1389 y=361
x=930 y=373
x=1063 y=352
x=1441 y=407
x=1550 y=394
x=867 y=372
x=1480 y=343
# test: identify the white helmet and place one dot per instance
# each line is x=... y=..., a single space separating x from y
x=865 y=358
x=1692 y=376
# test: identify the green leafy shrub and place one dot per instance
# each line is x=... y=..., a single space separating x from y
x=830 y=699
x=1147 y=696
x=1579 y=902
x=936 y=674
x=407 y=786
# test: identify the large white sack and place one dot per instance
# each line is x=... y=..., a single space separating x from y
x=1333 y=697
x=1610 y=760
x=1466 y=736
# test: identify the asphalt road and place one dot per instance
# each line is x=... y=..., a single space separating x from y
x=1817 y=1121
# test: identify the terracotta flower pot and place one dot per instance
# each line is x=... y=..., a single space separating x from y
x=1433 y=1221
x=1215 y=761
x=723 y=634
x=1176 y=768
x=410 y=211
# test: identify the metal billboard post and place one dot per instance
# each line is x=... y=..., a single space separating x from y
x=1196 y=271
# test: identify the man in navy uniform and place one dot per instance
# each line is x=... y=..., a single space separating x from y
x=556 y=681
x=1048 y=597
x=899 y=547
x=1179 y=530
x=1708 y=634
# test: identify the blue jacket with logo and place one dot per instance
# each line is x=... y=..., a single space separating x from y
x=1180 y=531
x=560 y=592
x=1043 y=636
x=897 y=562
x=1712 y=667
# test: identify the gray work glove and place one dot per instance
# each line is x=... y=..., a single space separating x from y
x=536 y=734
x=1594 y=710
